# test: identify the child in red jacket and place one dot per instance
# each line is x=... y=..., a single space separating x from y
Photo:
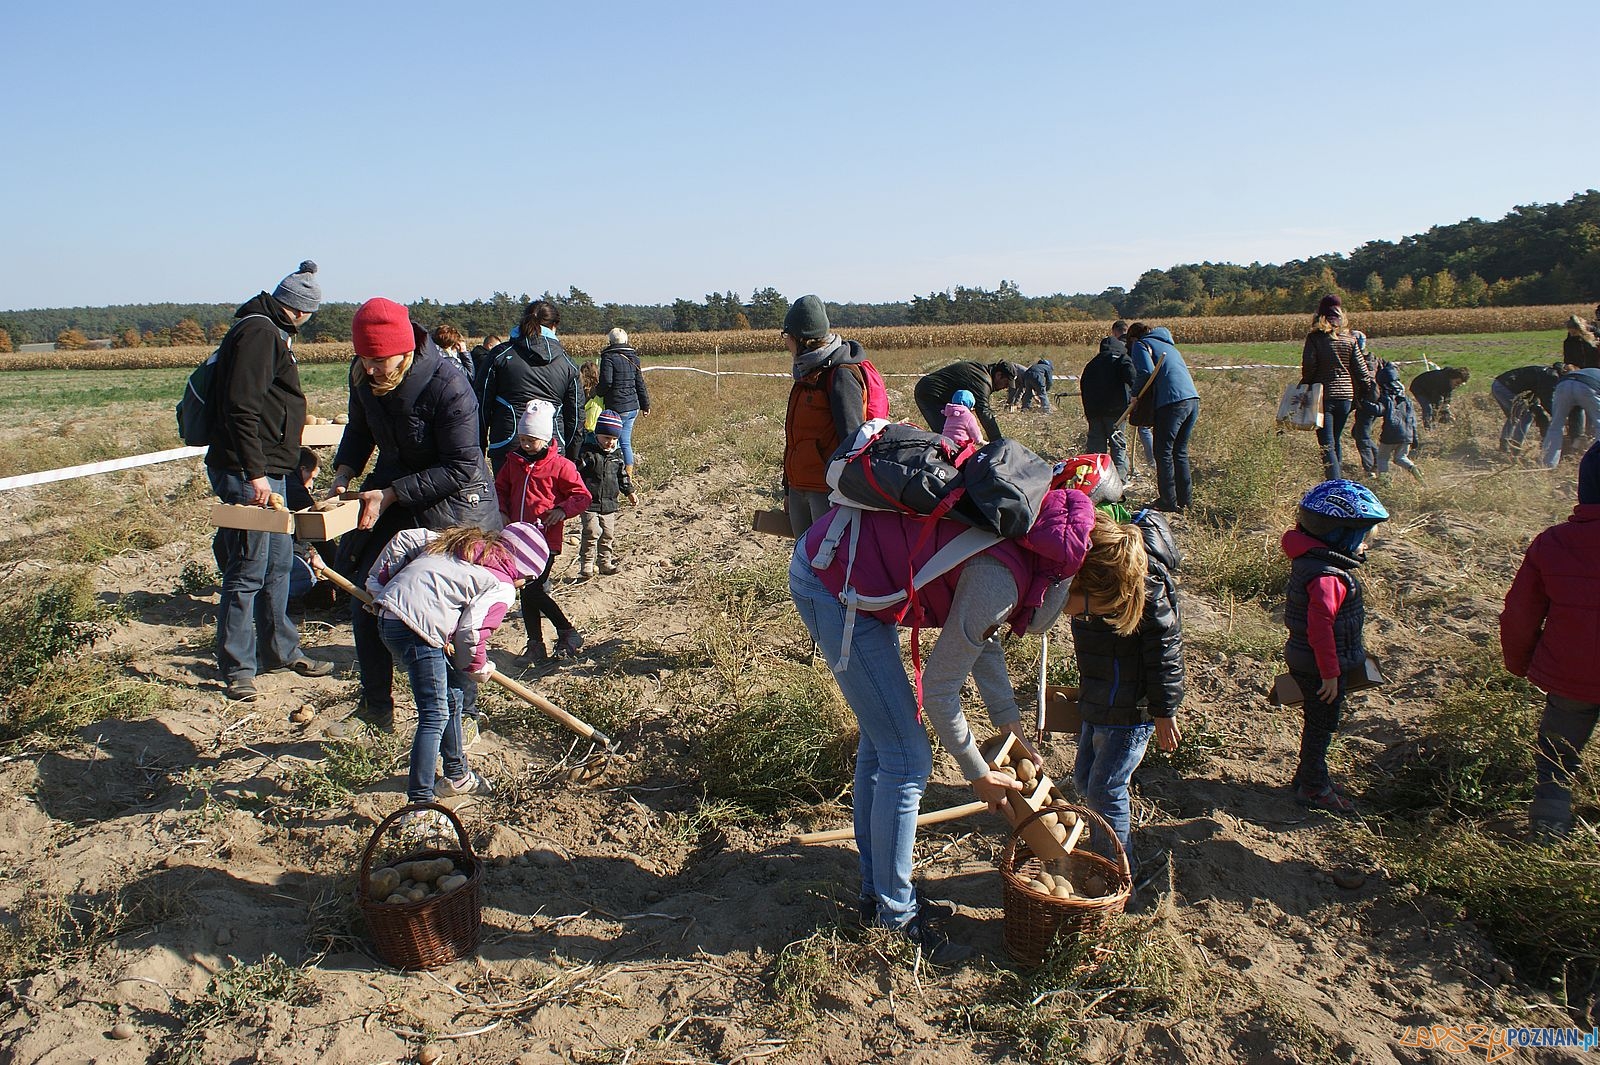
x=537 y=484
x=1549 y=632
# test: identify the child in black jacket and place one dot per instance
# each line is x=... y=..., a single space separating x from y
x=605 y=473
x=1128 y=637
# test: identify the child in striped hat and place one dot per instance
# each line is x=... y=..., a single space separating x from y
x=605 y=474
x=439 y=596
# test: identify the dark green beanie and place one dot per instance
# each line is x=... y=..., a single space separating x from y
x=807 y=319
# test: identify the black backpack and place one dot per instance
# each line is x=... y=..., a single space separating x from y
x=194 y=417
x=1002 y=488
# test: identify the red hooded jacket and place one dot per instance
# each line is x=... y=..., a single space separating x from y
x=529 y=489
x=1550 y=627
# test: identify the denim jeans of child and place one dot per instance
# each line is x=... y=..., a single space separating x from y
x=1563 y=731
x=438 y=708
x=1361 y=432
x=254 y=633
x=894 y=758
x=1107 y=758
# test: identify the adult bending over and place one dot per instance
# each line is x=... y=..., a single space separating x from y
x=417 y=412
x=1433 y=390
x=1334 y=358
x=256 y=413
x=1577 y=390
x=936 y=389
x=1535 y=386
x=1020 y=582
x=828 y=401
x=531 y=365
x=1177 y=408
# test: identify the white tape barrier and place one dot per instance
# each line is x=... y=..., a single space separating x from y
x=133 y=462
x=89 y=469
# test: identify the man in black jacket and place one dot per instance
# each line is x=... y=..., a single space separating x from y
x=935 y=390
x=1106 y=387
x=1534 y=386
x=256 y=411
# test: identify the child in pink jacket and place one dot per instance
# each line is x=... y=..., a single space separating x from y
x=538 y=484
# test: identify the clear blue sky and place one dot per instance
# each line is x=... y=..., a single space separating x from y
x=866 y=151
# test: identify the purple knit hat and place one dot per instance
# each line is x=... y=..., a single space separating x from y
x=1328 y=303
x=609 y=423
x=524 y=545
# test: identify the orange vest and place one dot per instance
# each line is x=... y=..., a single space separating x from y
x=809 y=436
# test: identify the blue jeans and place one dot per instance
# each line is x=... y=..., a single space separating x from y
x=1107 y=757
x=1335 y=412
x=436 y=685
x=254 y=633
x=1106 y=438
x=1174 y=425
x=625 y=438
x=1518 y=420
x=1567 y=397
x=893 y=759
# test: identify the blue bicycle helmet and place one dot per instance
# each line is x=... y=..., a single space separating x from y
x=1339 y=513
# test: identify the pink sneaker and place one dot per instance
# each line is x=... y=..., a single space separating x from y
x=1326 y=797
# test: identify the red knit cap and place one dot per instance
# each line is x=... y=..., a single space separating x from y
x=382 y=328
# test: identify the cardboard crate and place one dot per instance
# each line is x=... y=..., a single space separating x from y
x=326 y=435
x=338 y=518
x=251 y=518
x=1286 y=690
x=1061 y=710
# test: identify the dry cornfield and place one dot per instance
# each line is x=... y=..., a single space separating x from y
x=1217 y=329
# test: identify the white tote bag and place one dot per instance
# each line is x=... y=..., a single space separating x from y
x=1301 y=407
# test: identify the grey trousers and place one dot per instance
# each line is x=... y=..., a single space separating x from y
x=599 y=542
x=1563 y=731
x=805 y=508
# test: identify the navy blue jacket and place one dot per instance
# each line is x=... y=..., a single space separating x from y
x=1106 y=383
x=622 y=387
x=522 y=369
x=426 y=435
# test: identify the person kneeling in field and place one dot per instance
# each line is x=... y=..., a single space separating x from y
x=1020 y=582
x=1549 y=630
x=439 y=597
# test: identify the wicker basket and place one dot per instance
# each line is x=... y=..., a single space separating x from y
x=437 y=930
x=1033 y=921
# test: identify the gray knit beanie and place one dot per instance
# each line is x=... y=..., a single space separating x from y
x=807 y=319
x=300 y=291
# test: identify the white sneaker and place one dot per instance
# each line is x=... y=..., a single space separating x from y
x=471 y=784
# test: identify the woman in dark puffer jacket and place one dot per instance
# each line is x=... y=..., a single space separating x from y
x=418 y=413
x=622 y=389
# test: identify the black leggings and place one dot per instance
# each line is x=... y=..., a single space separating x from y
x=1316 y=734
x=536 y=601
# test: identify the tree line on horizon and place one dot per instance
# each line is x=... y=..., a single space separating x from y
x=1537 y=254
